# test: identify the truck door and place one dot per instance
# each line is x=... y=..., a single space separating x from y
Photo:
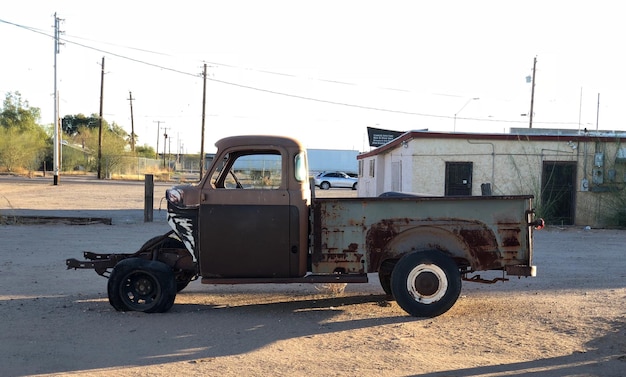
x=245 y=217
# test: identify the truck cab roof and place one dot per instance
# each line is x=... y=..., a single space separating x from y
x=264 y=140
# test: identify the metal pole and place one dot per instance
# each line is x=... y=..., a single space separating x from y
x=57 y=139
x=532 y=95
x=580 y=108
x=598 y=113
x=203 y=120
x=158 y=122
x=148 y=199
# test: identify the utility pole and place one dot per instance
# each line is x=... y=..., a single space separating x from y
x=532 y=94
x=164 y=144
x=158 y=122
x=203 y=119
x=132 y=123
x=177 y=147
x=100 y=121
x=57 y=137
x=169 y=153
x=598 y=113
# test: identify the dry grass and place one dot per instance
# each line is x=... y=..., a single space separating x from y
x=333 y=289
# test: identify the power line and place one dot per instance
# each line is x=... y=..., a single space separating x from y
x=269 y=91
x=132 y=59
x=261 y=89
x=212 y=63
x=34 y=30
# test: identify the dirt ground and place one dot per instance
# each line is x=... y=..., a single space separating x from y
x=570 y=320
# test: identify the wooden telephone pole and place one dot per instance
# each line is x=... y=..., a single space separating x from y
x=132 y=122
x=165 y=145
x=158 y=122
x=100 y=122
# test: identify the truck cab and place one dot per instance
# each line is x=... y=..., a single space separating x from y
x=250 y=211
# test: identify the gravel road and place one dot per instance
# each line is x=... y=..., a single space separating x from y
x=570 y=320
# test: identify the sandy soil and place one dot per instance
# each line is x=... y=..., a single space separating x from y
x=568 y=321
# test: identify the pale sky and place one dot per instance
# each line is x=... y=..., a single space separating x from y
x=320 y=71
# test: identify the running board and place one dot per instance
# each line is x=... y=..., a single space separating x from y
x=335 y=278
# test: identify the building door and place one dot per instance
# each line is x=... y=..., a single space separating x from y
x=396 y=176
x=458 y=178
x=558 y=192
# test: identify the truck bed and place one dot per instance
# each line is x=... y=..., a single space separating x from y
x=355 y=235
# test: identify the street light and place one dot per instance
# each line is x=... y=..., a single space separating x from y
x=457 y=113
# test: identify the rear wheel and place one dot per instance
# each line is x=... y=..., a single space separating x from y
x=141 y=285
x=354 y=186
x=426 y=284
x=384 y=275
x=325 y=185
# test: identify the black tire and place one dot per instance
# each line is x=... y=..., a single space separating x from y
x=426 y=284
x=354 y=186
x=325 y=185
x=141 y=285
x=384 y=275
x=183 y=278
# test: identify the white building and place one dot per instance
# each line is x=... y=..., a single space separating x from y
x=575 y=178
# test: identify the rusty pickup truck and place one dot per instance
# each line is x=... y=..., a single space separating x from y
x=254 y=218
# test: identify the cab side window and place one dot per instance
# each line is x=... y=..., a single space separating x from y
x=250 y=171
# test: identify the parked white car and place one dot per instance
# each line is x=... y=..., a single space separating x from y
x=326 y=180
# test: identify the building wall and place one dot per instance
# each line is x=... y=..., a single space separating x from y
x=513 y=166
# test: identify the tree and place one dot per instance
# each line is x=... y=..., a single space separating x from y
x=77 y=155
x=22 y=140
x=118 y=131
x=145 y=151
x=70 y=124
x=85 y=138
x=113 y=148
x=81 y=152
x=18 y=114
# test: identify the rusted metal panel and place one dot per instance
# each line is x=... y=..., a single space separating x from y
x=479 y=233
x=524 y=270
x=338 y=247
x=322 y=278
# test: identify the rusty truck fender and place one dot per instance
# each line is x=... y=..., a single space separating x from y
x=471 y=244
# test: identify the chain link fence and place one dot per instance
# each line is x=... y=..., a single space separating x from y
x=129 y=167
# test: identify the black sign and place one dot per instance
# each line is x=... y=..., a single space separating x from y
x=378 y=137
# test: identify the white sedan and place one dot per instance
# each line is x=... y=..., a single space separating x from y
x=326 y=180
